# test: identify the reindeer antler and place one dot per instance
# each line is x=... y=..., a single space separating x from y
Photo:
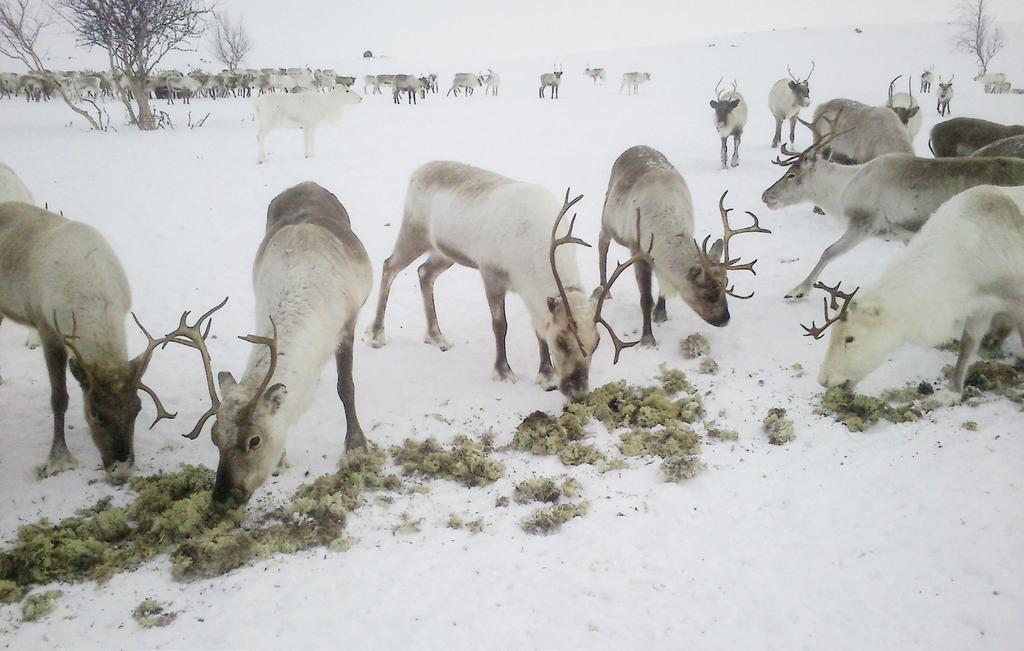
x=619 y=344
x=69 y=342
x=728 y=263
x=791 y=74
x=271 y=343
x=794 y=157
x=836 y=295
x=556 y=242
x=194 y=337
x=718 y=93
x=892 y=87
x=808 y=77
x=141 y=364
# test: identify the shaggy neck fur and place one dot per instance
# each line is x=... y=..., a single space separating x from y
x=826 y=182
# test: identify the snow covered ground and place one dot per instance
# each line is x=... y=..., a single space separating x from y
x=906 y=536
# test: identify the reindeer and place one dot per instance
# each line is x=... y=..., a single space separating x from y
x=596 y=74
x=370 y=84
x=964 y=136
x=962 y=266
x=552 y=79
x=890 y=197
x=306 y=111
x=1012 y=147
x=905 y=107
x=857 y=133
x=785 y=100
x=492 y=81
x=927 y=77
x=644 y=182
x=479 y=219
x=730 y=118
x=411 y=86
x=311 y=276
x=61 y=278
x=945 y=95
x=631 y=82
x=466 y=81
x=12 y=188
x=990 y=80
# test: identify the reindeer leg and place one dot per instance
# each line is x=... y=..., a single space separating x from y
x=56 y=355
x=261 y=137
x=411 y=244
x=660 y=311
x=643 y=272
x=428 y=272
x=970 y=340
x=354 y=438
x=603 y=242
x=725 y=153
x=778 y=133
x=1 y=374
x=853 y=236
x=792 y=130
x=736 y=148
x=308 y=135
x=546 y=373
x=495 y=285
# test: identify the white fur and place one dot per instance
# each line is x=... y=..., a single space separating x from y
x=596 y=74
x=492 y=81
x=12 y=188
x=864 y=132
x=782 y=101
x=907 y=101
x=964 y=264
x=305 y=111
x=631 y=82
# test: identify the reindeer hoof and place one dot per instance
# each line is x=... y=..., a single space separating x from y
x=943 y=398
x=437 y=340
x=797 y=293
x=735 y=163
x=547 y=381
x=504 y=375
x=375 y=338
x=32 y=340
x=648 y=341
x=58 y=463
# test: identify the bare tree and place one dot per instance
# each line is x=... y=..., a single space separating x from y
x=976 y=33
x=20 y=27
x=229 y=42
x=136 y=34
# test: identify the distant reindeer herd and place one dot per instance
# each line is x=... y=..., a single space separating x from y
x=962 y=213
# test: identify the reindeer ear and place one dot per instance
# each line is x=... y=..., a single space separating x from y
x=226 y=381
x=734 y=103
x=716 y=251
x=553 y=304
x=274 y=396
x=714 y=104
x=912 y=112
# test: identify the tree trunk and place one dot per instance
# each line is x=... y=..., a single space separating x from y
x=145 y=117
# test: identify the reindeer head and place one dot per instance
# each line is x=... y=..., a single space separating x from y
x=793 y=187
x=801 y=88
x=110 y=393
x=904 y=113
x=723 y=108
x=861 y=337
x=946 y=87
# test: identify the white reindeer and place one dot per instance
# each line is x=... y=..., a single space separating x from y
x=61 y=278
x=492 y=81
x=905 y=107
x=785 y=100
x=927 y=77
x=890 y=197
x=990 y=80
x=631 y=82
x=964 y=265
x=730 y=118
x=857 y=133
x=596 y=74
x=411 y=85
x=945 y=95
x=648 y=204
x=552 y=80
x=466 y=215
x=311 y=276
x=305 y=111
x=466 y=81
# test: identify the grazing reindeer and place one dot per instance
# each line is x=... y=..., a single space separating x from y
x=411 y=86
x=305 y=111
x=906 y=108
x=12 y=188
x=492 y=81
x=631 y=82
x=730 y=118
x=945 y=95
x=785 y=100
x=890 y=197
x=466 y=81
x=857 y=132
x=964 y=136
x=643 y=180
x=990 y=80
x=1012 y=147
x=370 y=82
x=473 y=217
x=963 y=265
x=552 y=79
x=311 y=276
x=596 y=74
x=63 y=279
x=927 y=77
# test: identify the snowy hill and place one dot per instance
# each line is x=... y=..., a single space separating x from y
x=906 y=536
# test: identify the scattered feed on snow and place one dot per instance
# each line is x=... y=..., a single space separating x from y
x=40 y=604
x=545 y=489
x=859 y=412
x=543 y=434
x=721 y=434
x=1000 y=378
x=707 y=366
x=150 y=613
x=693 y=346
x=406 y=525
x=677 y=445
x=9 y=592
x=970 y=426
x=548 y=519
x=465 y=462
x=779 y=428
x=455 y=521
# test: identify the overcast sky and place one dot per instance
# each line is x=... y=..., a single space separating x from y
x=308 y=32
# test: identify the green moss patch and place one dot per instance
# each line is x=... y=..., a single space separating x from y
x=548 y=519
x=545 y=489
x=859 y=412
x=465 y=461
x=150 y=613
x=455 y=521
x=10 y=592
x=707 y=366
x=40 y=604
x=779 y=428
x=694 y=346
x=677 y=445
x=621 y=404
x=1000 y=378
